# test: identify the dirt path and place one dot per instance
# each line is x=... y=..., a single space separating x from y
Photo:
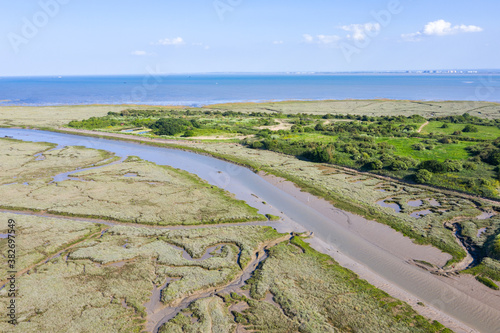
x=281 y=126
x=422 y=127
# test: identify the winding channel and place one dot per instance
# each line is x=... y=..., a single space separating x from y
x=250 y=187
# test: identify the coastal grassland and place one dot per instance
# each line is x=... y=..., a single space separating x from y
x=204 y=315
x=132 y=191
x=39 y=238
x=368 y=107
x=24 y=162
x=318 y=295
x=55 y=116
x=102 y=284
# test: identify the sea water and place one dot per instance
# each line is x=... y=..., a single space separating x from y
x=204 y=89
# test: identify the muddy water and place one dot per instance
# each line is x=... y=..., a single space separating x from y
x=246 y=185
x=67 y=175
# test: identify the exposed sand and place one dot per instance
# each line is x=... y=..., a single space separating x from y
x=281 y=126
x=377 y=233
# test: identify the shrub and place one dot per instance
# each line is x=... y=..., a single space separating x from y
x=452 y=166
x=257 y=144
x=470 y=129
x=398 y=165
x=493 y=157
x=376 y=165
x=170 y=126
x=432 y=166
x=418 y=146
x=445 y=125
x=446 y=140
x=470 y=166
x=423 y=176
x=189 y=134
x=494 y=250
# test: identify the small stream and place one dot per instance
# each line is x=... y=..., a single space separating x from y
x=161 y=314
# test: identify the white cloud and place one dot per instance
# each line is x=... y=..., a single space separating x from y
x=324 y=39
x=440 y=28
x=277 y=42
x=413 y=37
x=139 y=53
x=321 y=39
x=170 y=41
x=308 y=38
x=359 y=31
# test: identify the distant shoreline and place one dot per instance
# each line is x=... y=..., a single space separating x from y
x=3 y=103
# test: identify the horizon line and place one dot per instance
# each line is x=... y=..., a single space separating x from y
x=403 y=71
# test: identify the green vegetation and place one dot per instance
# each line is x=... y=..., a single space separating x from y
x=488 y=268
x=271 y=217
x=494 y=250
x=487 y=282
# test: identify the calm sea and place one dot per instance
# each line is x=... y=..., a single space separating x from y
x=196 y=90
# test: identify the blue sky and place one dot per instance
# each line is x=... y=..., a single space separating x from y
x=65 y=37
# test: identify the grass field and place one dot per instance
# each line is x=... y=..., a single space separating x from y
x=484 y=132
x=440 y=152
